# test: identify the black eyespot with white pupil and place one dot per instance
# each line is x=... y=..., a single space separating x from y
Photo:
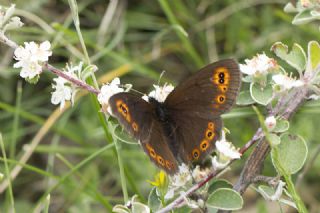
x=221 y=81
x=123 y=109
x=221 y=75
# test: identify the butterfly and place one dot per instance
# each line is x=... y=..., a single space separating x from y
x=183 y=128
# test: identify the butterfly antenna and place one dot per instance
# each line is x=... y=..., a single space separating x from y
x=162 y=73
x=128 y=87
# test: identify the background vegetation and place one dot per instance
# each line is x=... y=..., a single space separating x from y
x=135 y=40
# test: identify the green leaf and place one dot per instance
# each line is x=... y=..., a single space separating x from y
x=217 y=184
x=88 y=71
x=313 y=56
x=212 y=209
x=281 y=126
x=290 y=8
x=292 y=153
x=247 y=79
x=261 y=95
x=267 y=189
x=303 y=17
x=139 y=208
x=153 y=200
x=226 y=199
x=245 y=98
x=274 y=139
x=296 y=57
x=33 y=80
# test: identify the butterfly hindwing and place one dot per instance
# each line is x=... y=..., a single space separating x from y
x=158 y=150
x=209 y=92
x=138 y=118
x=197 y=136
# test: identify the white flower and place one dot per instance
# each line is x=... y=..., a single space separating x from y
x=258 y=65
x=198 y=174
x=31 y=58
x=39 y=52
x=286 y=82
x=169 y=195
x=216 y=164
x=225 y=152
x=107 y=91
x=159 y=93
x=62 y=92
x=182 y=177
x=270 y=122
x=65 y=90
x=30 y=69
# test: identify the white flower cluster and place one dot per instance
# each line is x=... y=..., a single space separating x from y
x=258 y=65
x=31 y=58
x=107 y=91
x=7 y=22
x=63 y=89
x=159 y=93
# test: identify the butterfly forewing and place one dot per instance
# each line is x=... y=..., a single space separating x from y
x=196 y=105
x=138 y=118
x=133 y=113
x=209 y=92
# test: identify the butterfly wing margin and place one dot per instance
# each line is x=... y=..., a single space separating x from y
x=137 y=117
x=209 y=92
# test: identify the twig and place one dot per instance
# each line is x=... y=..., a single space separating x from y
x=76 y=81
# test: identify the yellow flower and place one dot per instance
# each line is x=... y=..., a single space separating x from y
x=160 y=180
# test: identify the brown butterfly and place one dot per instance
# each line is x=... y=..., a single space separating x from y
x=183 y=128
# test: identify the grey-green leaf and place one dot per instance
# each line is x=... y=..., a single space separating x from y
x=245 y=98
x=261 y=95
x=219 y=183
x=292 y=153
x=296 y=57
x=281 y=126
x=313 y=56
x=225 y=199
x=153 y=200
x=303 y=17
